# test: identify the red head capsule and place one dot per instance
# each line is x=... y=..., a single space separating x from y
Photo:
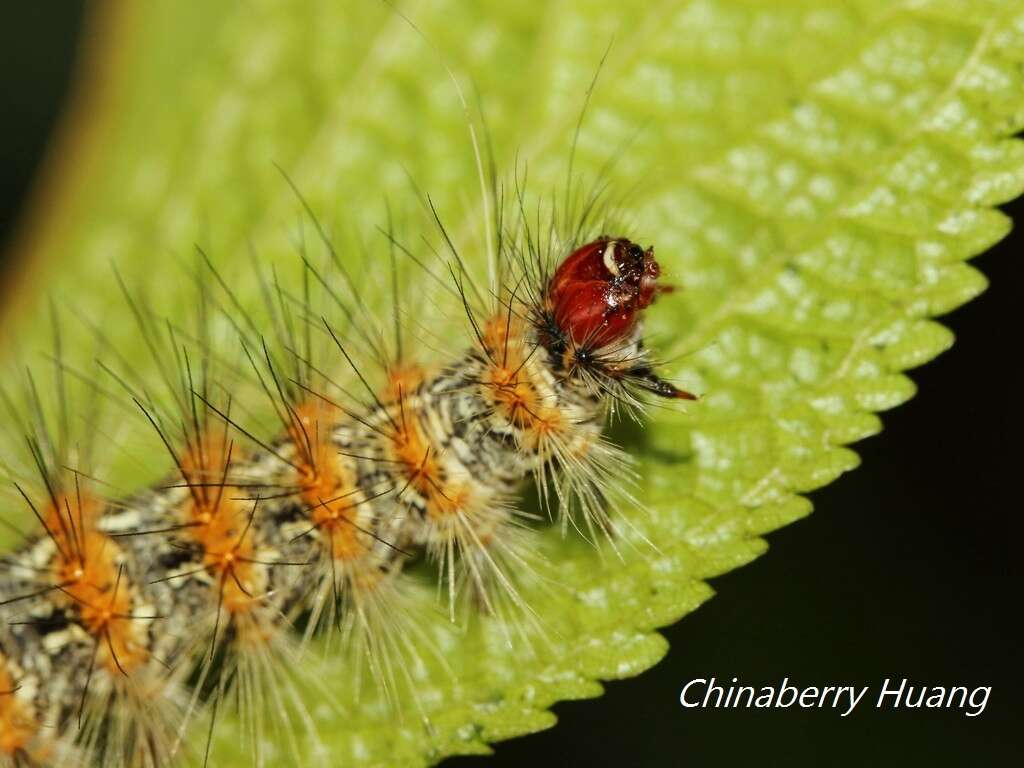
x=598 y=291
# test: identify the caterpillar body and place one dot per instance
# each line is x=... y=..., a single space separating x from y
x=123 y=615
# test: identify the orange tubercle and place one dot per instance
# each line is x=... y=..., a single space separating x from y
x=67 y=517
x=327 y=485
x=411 y=449
x=504 y=338
x=87 y=567
x=318 y=471
x=453 y=501
x=401 y=381
x=336 y=520
x=17 y=727
x=216 y=516
x=507 y=377
x=230 y=561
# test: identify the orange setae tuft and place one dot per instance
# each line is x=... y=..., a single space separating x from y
x=17 y=727
x=88 y=569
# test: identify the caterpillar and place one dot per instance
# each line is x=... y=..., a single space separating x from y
x=126 y=614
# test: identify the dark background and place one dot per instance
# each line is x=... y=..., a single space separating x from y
x=907 y=568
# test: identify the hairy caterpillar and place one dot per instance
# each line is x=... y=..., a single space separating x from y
x=126 y=613
x=790 y=393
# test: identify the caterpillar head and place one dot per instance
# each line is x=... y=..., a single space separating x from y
x=598 y=292
x=595 y=298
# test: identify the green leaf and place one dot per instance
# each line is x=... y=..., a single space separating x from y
x=813 y=174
